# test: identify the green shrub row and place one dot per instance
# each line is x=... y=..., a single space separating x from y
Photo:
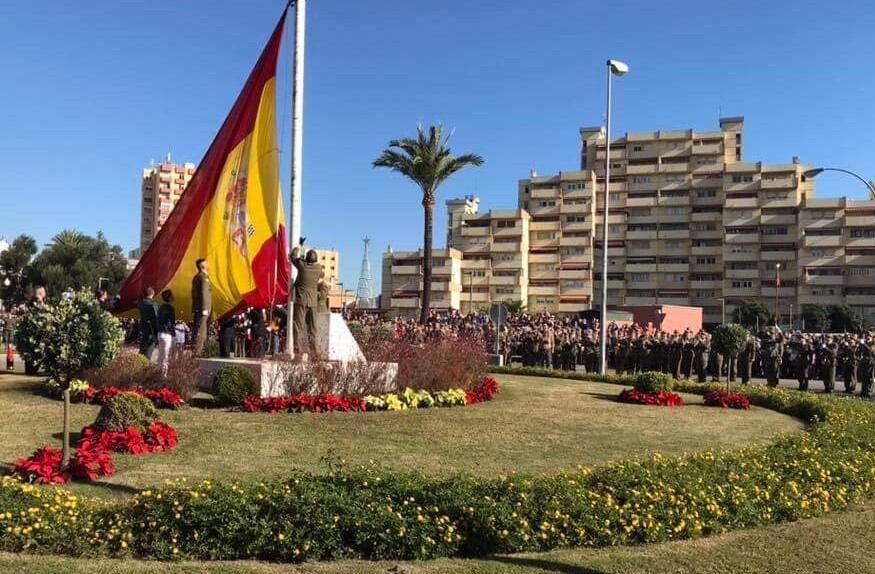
x=372 y=514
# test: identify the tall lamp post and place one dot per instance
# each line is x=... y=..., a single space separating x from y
x=777 y=287
x=812 y=173
x=615 y=68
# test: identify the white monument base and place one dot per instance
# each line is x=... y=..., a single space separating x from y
x=335 y=343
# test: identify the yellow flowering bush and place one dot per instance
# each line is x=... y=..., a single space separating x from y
x=78 y=388
x=372 y=514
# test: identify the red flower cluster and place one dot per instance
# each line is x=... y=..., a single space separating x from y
x=485 y=392
x=727 y=400
x=43 y=466
x=159 y=437
x=303 y=402
x=163 y=397
x=92 y=457
x=663 y=399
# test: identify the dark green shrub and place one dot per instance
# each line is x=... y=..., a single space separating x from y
x=653 y=382
x=127 y=371
x=126 y=410
x=729 y=340
x=211 y=349
x=235 y=383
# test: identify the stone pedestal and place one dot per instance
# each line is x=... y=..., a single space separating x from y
x=335 y=343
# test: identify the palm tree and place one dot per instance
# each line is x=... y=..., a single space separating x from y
x=427 y=161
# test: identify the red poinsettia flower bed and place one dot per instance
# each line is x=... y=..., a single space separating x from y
x=92 y=457
x=163 y=398
x=302 y=403
x=727 y=400
x=663 y=399
x=485 y=392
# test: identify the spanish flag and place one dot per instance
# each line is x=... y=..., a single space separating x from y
x=231 y=214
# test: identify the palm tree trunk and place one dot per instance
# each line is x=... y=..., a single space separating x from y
x=425 y=300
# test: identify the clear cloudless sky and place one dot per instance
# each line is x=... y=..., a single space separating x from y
x=93 y=90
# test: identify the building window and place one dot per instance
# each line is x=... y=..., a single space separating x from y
x=706 y=193
x=504 y=223
x=641 y=179
x=575 y=218
x=676 y=211
x=742 y=284
x=706 y=260
x=504 y=290
x=774 y=231
x=860 y=233
x=571 y=251
x=639 y=277
x=742 y=178
x=638 y=148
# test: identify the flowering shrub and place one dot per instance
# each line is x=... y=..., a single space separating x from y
x=131 y=371
x=43 y=466
x=81 y=391
x=726 y=400
x=653 y=382
x=158 y=437
x=407 y=399
x=663 y=399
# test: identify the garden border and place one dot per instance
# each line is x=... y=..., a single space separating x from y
x=372 y=514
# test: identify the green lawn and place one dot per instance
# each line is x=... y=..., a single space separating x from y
x=534 y=426
x=838 y=542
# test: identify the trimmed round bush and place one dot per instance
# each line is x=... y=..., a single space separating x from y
x=127 y=410
x=211 y=349
x=653 y=382
x=234 y=383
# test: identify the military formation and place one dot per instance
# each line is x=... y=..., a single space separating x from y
x=572 y=344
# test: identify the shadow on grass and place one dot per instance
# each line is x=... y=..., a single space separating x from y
x=542 y=564
x=74 y=437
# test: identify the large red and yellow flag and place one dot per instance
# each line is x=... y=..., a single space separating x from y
x=231 y=214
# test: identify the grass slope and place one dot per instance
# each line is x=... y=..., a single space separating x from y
x=535 y=425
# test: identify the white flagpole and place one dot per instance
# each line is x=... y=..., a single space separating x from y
x=297 y=151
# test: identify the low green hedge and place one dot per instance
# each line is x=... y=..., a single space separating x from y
x=372 y=514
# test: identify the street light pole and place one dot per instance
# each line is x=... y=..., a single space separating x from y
x=615 y=67
x=777 y=286
x=812 y=173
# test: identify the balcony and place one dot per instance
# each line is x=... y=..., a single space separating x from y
x=645 y=169
x=781 y=219
x=675 y=185
x=573 y=307
x=741 y=202
x=641 y=201
x=543 y=258
x=515 y=263
x=537 y=210
x=576 y=259
x=866 y=300
x=783 y=292
x=664 y=218
x=860 y=242
x=824 y=241
x=505 y=247
x=709 y=250
x=578 y=274
x=675 y=267
x=478 y=247
x=824 y=280
x=741 y=292
x=406 y=269
x=780 y=203
x=674 y=167
x=640 y=301
x=650 y=152
x=741 y=238
x=577 y=226
x=470 y=231
x=777 y=255
x=707 y=182
x=543 y=290
x=575 y=208
x=544 y=225
x=651 y=234
x=674 y=234
x=742 y=273
x=516 y=231
x=681 y=150
x=405 y=302
x=710 y=284
x=575 y=241
x=779 y=183
x=707 y=216
x=732 y=220
x=578 y=194
x=859 y=221
x=708 y=149
x=551 y=193
x=640 y=267
x=509 y=281
x=860 y=260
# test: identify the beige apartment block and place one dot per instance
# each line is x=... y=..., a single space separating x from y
x=690 y=223
x=329 y=259
x=402 y=281
x=161 y=187
x=495 y=247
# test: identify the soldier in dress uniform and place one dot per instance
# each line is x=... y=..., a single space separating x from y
x=849 y=357
x=828 y=355
x=701 y=352
x=867 y=367
x=306 y=300
x=746 y=358
x=201 y=305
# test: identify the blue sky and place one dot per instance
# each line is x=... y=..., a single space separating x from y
x=93 y=90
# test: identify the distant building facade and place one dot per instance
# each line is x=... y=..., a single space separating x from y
x=161 y=187
x=689 y=223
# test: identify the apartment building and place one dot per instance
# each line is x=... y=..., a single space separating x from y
x=690 y=223
x=329 y=259
x=161 y=187
x=402 y=281
x=495 y=248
